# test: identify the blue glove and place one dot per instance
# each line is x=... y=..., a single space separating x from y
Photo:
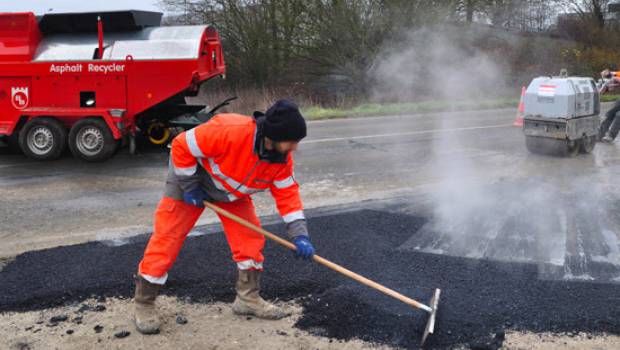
x=196 y=197
x=304 y=247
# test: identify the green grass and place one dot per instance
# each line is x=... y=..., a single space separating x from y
x=609 y=98
x=376 y=109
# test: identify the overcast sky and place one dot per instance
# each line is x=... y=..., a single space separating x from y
x=40 y=7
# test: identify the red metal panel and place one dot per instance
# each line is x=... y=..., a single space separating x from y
x=151 y=82
x=19 y=36
x=64 y=91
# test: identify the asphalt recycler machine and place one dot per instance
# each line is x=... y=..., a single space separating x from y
x=91 y=81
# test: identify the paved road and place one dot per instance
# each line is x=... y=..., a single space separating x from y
x=468 y=170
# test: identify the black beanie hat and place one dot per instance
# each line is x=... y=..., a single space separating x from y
x=284 y=122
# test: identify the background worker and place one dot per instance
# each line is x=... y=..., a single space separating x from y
x=610 y=126
x=224 y=161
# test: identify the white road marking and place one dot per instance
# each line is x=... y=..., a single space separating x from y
x=420 y=132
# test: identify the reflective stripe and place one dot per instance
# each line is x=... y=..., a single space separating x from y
x=190 y=138
x=189 y=171
x=296 y=215
x=249 y=265
x=248 y=190
x=288 y=182
x=156 y=280
x=220 y=187
x=229 y=181
x=216 y=170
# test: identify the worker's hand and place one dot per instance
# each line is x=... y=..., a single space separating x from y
x=304 y=247
x=196 y=197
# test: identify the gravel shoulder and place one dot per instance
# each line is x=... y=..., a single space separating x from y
x=214 y=326
x=551 y=341
x=209 y=326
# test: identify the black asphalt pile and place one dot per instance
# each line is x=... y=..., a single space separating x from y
x=480 y=299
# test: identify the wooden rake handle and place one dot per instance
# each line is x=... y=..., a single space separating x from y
x=359 y=278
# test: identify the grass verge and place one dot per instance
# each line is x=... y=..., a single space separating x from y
x=609 y=98
x=376 y=109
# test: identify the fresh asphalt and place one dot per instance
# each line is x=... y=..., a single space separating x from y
x=481 y=299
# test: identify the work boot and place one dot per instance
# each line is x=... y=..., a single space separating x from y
x=248 y=300
x=146 y=317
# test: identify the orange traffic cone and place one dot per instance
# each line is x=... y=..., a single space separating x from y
x=521 y=110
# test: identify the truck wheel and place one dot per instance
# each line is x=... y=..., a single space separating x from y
x=91 y=140
x=588 y=143
x=43 y=139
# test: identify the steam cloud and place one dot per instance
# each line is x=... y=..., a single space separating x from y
x=436 y=63
x=552 y=211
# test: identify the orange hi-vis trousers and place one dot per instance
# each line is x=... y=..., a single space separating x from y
x=174 y=219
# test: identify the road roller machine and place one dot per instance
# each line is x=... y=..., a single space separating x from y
x=561 y=115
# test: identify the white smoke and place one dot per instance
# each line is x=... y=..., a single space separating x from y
x=435 y=63
x=537 y=209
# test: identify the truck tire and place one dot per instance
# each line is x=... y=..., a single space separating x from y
x=43 y=139
x=91 y=140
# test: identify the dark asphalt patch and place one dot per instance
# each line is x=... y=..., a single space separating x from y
x=480 y=299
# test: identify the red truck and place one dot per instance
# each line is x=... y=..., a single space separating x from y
x=92 y=80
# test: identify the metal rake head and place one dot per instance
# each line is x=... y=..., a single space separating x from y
x=430 y=325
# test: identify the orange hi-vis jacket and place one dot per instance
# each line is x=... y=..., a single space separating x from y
x=222 y=157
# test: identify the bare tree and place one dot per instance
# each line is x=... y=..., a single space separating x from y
x=259 y=36
x=279 y=42
x=329 y=46
x=468 y=9
x=594 y=11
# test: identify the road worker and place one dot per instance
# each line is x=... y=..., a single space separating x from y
x=225 y=161
x=610 y=126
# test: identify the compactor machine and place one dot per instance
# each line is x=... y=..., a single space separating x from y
x=561 y=115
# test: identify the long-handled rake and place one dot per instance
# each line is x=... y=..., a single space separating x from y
x=431 y=308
